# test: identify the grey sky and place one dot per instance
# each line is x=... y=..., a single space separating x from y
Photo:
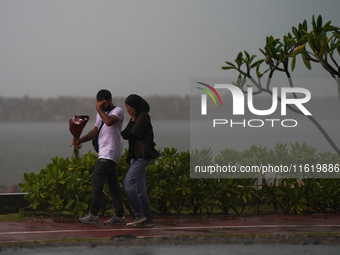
x=74 y=48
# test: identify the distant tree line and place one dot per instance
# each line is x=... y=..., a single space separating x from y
x=64 y=108
x=162 y=108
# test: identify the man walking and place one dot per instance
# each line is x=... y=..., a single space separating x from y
x=109 y=121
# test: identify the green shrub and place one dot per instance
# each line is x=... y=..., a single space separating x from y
x=65 y=185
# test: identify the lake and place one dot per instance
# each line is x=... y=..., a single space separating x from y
x=29 y=147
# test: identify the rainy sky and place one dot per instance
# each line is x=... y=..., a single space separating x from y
x=76 y=47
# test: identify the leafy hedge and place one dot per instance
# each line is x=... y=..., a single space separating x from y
x=64 y=185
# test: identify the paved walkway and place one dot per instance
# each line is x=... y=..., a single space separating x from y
x=168 y=226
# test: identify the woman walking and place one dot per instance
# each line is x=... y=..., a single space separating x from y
x=139 y=133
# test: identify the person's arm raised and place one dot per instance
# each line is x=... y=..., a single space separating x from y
x=108 y=120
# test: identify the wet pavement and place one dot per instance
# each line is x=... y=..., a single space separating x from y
x=220 y=249
x=170 y=226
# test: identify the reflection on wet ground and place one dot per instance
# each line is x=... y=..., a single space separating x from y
x=312 y=234
x=226 y=249
x=167 y=226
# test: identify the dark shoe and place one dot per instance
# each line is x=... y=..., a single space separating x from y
x=115 y=220
x=144 y=224
x=136 y=220
x=89 y=218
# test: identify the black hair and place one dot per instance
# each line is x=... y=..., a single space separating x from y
x=138 y=103
x=104 y=94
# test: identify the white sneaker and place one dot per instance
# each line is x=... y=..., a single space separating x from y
x=136 y=220
x=89 y=218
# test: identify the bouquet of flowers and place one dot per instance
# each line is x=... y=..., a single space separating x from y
x=76 y=126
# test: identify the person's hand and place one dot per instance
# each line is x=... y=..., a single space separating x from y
x=76 y=141
x=131 y=111
x=100 y=105
x=76 y=144
x=133 y=116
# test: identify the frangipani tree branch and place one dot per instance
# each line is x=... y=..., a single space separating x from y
x=244 y=75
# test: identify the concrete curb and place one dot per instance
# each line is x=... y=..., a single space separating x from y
x=12 y=202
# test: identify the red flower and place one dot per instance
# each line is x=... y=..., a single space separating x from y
x=76 y=126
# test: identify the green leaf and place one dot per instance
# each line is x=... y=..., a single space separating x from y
x=306 y=62
x=247 y=56
x=336 y=34
x=295 y=31
x=326 y=26
x=293 y=63
x=319 y=22
x=314 y=24
x=252 y=58
x=262 y=52
x=229 y=63
x=257 y=63
x=26 y=177
x=304 y=25
x=70 y=203
x=228 y=67
x=239 y=59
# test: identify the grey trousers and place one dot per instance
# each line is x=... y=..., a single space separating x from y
x=135 y=188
